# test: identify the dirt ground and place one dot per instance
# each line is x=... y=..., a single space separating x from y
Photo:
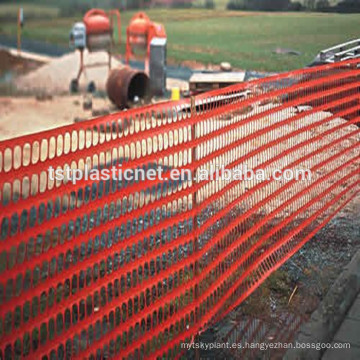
x=40 y=91
x=26 y=115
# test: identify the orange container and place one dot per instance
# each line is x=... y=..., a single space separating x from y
x=139 y=34
x=97 y=22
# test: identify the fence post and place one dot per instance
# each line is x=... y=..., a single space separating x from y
x=195 y=226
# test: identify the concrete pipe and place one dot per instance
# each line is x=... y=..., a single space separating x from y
x=126 y=86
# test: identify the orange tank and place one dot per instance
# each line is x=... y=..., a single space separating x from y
x=138 y=29
x=97 y=22
x=139 y=23
x=139 y=34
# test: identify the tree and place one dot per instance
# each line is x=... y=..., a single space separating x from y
x=209 y=4
x=267 y=5
x=310 y=4
x=349 y=6
x=322 y=5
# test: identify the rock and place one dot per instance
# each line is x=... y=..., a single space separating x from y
x=87 y=102
x=100 y=112
x=43 y=97
x=282 y=51
x=225 y=66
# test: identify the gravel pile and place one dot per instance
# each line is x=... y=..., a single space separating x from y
x=321 y=139
x=54 y=77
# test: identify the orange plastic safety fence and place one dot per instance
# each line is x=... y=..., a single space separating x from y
x=130 y=269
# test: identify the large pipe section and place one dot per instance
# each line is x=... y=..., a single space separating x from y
x=126 y=86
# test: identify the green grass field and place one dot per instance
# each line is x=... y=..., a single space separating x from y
x=246 y=39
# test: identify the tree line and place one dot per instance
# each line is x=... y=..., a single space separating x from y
x=344 y=6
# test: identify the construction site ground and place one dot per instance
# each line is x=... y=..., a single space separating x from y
x=26 y=115
x=34 y=92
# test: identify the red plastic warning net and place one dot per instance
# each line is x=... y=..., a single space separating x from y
x=132 y=269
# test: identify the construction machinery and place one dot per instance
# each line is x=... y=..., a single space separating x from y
x=139 y=34
x=340 y=52
x=94 y=33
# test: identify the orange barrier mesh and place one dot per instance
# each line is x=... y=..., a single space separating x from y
x=131 y=269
